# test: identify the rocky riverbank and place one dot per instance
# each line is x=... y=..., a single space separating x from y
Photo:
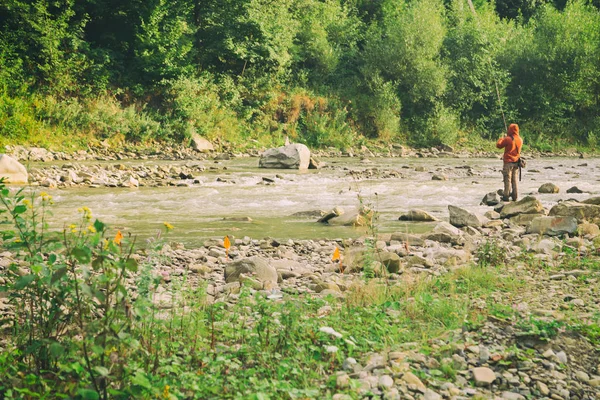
x=509 y=356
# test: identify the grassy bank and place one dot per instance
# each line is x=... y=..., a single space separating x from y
x=82 y=322
x=71 y=125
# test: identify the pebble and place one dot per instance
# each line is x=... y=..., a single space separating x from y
x=483 y=375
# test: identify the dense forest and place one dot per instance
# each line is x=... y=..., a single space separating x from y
x=323 y=72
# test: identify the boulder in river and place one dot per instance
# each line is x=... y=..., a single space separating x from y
x=548 y=188
x=527 y=205
x=417 y=215
x=256 y=266
x=460 y=217
x=553 y=226
x=581 y=211
x=12 y=170
x=201 y=144
x=592 y=200
x=574 y=189
x=491 y=199
x=361 y=217
x=293 y=156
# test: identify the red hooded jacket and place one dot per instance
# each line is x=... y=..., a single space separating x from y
x=511 y=144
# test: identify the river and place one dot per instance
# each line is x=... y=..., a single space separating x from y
x=205 y=210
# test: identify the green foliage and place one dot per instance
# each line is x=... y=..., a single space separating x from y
x=86 y=322
x=490 y=254
x=543 y=329
x=426 y=72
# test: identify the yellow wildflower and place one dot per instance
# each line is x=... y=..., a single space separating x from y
x=166 y=392
x=168 y=226
x=91 y=229
x=27 y=203
x=45 y=196
x=87 y=213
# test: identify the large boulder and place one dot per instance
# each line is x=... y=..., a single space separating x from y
x=12 y=170
x=417 y=215
x=593 y=200
x=553 y=226
x=581 y=211
x=548 y=188
x=527 y=205
x=293 y=156
x=256 y=266
x=460 y=217
x=201 y=144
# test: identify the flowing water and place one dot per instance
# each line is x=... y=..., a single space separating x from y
x=209 y=209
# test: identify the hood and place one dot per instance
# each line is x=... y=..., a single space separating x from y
x=513 y=130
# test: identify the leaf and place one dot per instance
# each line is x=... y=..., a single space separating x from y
x=56 y=349
x=99 y=226
x=81 y=254
x=58 y=274
x=20 y=209
x=140 y=380
x=88 y=394
x=23 y=282
x=52 y=258
x=97 y=263
x=102 y=371
x=131 y=265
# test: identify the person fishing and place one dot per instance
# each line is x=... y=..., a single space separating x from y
x=511 y=143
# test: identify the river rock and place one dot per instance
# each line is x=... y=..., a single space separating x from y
x=587 y=228
x=548 y=188
x=460 y=217
x=293 y=156
x=553 y=226
x=315 y=163
x=592 y=200
x=201 y=144
x=12 y=170
x=523 y=219
x=574 y=189
x=527 y=205
x=417 y=215
x=491 y=199
x=390 y=260
x=361 y=217
x=257 y=266
x=483 y=375
x=581 y=211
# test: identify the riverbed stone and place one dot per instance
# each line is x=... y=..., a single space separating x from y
x=527 y=205
x=581 y=211
x=12 y=170
x=588 y=229
x=548 y=188
x=201 y=144
x=293 y=156
x=417 y=215
x=483 y=375
x=491 y=199
x=553 y=226
x=361 y=217
x=592 y=200
x=390 y=260
x=460 y=217
x=257 y=266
